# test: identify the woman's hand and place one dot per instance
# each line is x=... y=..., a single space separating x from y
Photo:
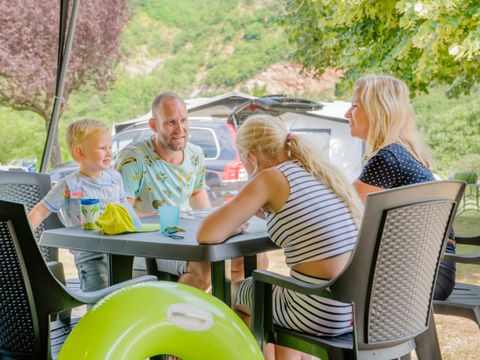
x=230 y=219
x=240 y=229
x=260 y=214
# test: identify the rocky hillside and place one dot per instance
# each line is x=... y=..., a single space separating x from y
x=209 y=47
x=288 y=78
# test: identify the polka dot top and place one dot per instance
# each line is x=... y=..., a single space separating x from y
x=394 y=166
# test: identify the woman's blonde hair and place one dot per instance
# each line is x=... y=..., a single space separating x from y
x=390 y=115
x=79 y=131
x=269 y=136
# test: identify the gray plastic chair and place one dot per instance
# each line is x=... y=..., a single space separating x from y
x=389 y=279
x=29 y=188
x=464 y=301
x=30 y=295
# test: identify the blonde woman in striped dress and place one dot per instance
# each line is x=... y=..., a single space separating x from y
x=311 y=211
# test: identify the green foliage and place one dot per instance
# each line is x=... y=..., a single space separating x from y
x=467 y=175
x=469 y=161
x=146 y=35
x=180 y=45
x=198 y=37
x=218 y=45
x=451 y=128
x=420 y=42
x=22 y=135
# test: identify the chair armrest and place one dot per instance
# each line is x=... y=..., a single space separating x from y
x=463 y=258
x=56 y=268
x=468 y=240
x=288 y=282
x=94 y=296
x=262 y=303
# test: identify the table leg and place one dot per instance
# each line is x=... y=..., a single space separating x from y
x=249 y=265
x=221 y=273
x=120 y=268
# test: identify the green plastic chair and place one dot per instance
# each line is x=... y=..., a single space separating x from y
x=464 y=301
x=389 y=279
x=471 y=195
x=30 y=295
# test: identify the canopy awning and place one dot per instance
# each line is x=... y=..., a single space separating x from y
x=65 y=42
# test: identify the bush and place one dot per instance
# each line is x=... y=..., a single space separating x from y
x=451 y=128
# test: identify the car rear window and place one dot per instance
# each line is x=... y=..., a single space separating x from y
x=121 y=140
x=207 y=140
x=203 y=137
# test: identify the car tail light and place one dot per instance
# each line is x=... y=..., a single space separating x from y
x=234 y=171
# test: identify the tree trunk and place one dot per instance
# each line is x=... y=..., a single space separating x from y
x=56 y=155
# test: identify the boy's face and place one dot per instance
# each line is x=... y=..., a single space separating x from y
x=96 y=153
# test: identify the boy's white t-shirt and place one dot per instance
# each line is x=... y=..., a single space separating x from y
x=64 y=198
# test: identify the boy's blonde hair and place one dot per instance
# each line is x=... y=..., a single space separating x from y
x=79 y=131
x=267 y=135
x=390 y=115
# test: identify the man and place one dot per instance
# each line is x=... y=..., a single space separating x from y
x=167 y=169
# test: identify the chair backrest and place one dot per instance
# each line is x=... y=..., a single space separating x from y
x=29 y=188
x=391 y=276
x=28 y=291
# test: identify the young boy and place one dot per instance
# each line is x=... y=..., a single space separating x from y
x=90 y=145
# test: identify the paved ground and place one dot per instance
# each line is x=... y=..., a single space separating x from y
x=459 y=338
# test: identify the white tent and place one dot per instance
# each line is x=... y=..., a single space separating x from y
x=331 y=131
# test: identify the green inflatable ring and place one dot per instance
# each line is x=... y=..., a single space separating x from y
x=151 y=318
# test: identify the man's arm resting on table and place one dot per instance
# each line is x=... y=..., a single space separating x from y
x=199 y=199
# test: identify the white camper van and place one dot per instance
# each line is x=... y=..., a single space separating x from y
x=324 y=122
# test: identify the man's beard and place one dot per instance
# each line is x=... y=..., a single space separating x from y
x=170 y=146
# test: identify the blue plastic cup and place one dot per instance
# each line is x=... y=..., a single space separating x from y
x=169 y=216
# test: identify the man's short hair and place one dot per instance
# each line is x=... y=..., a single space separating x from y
x=79 y=131
x=157 y=102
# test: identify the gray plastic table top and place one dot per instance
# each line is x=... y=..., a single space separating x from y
x=153 y=244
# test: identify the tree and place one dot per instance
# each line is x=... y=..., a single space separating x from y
x=421 y=42
x=29 y=32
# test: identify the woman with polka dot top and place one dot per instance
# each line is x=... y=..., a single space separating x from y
x=381 y=114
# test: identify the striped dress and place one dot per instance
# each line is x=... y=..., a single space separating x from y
x=313 y=224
